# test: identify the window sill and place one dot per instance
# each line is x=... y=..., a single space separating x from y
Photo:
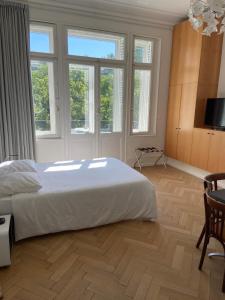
x=48 y=137
x=143 y=134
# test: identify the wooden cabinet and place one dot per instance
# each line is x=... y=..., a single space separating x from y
x=180 y=121
x=194 y=75
x=186 y=53
x=173 y=120
x=216 y=158
x=200 y=148
x=208 y=150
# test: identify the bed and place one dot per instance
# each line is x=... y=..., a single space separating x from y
x=81 y=194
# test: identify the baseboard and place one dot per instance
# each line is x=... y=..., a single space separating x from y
x=187 y=168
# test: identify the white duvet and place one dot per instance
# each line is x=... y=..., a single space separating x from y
x=83 y=194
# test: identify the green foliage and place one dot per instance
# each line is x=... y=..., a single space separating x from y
x=41 y=96
x=79 y=94
x=106 y=107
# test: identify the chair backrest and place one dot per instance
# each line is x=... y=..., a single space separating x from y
x=211 y=181
x=215 y=218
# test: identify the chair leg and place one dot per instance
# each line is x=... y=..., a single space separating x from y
x=1 y=295
x=201 y=237
x=223 y=288
x=206 y=241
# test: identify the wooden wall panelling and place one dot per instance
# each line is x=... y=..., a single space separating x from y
x=186 y=121
x=173 y=116
x=195 y=68
x=200 y=148
x=186 y=53
x=216 y=159
x=205 y=91
x=211 y=53
x=208 y=74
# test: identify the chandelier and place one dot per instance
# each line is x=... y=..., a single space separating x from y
x=207 y=13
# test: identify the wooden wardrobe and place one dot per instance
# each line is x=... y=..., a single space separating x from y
x=194 y=76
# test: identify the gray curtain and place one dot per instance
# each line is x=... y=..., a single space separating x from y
x=17 y=134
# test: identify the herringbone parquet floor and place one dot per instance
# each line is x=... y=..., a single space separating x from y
x=130 y=260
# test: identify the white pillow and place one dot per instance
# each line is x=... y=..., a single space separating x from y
x=11 y=166
x=19 y=182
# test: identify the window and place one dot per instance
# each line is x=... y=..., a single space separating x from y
x=81 y=84
x=143 y=52
x=94 y=82
x=142 y=85
x=43 y=79
x=111 y=99
x=95 y=86
x=41 y=39
x=43 y=95
x=94 y=44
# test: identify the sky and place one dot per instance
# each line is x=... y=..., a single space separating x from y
x=39 y=42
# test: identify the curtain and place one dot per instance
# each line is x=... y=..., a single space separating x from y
x=17 y=133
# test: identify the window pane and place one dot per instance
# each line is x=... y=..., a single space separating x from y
x=141 y=100
x=44 y=96
x=111 y=99
x=41 y=39
x=92 y=44
x=81 y=83
x=143 y=51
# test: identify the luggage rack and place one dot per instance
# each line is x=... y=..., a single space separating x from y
x=142 y=151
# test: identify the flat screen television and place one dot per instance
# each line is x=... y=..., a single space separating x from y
x=215 y=113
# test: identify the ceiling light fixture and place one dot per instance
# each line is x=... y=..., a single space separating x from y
x=207 y=13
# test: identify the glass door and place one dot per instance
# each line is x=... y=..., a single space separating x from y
x=96 y=111
x=111 y=95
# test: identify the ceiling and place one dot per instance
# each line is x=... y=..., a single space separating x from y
x=169 y=11
x=178 y=7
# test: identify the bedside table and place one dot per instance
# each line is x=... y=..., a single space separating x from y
x=6 y=240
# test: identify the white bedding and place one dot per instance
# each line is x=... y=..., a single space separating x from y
x=81 y=194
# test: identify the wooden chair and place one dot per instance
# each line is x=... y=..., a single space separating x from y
x=210 y=185
x=214 y=227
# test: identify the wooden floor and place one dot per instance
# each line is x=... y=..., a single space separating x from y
x=130 y=260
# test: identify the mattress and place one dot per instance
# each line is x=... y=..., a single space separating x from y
x=81 y=194
x=5 y=206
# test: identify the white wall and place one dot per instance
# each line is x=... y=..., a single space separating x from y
x=57 y=149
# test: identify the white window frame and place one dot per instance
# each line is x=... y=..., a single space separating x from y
x=154 y=67
x=52 y=58
x=98 y=63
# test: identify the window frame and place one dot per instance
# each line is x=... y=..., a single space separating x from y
x=52 y=58
x=154 y=68
x=98 y=63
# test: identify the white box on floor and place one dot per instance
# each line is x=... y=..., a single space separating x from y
x=6 y=240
